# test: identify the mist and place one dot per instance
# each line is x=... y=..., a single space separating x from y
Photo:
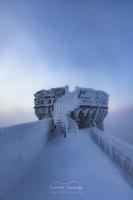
x=16 y=116
x=120 y=123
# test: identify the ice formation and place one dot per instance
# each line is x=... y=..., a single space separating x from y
x=88 y=107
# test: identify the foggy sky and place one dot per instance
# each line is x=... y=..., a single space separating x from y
x=46 y=44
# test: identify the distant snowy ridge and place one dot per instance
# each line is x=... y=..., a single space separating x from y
x=20 y=145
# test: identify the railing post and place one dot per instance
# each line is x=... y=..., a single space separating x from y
x=115 y=149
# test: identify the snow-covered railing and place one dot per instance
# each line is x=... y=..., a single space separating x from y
x=120 y=152
x=66 y=124
x=71 y=125
x=19 y=147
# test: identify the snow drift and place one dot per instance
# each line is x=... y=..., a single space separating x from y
x=72 y=168
x=20 y=145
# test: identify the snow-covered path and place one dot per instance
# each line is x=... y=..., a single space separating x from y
x=75 y=158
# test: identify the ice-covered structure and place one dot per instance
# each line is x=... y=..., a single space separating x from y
x=86 y=106
x=44 y=101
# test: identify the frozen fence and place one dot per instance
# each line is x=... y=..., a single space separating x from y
x=120 y=152
x=71 y=124
x=19 y=147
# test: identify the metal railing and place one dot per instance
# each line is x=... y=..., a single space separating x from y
x=19 y=147
x=120 y=152
x=71 y=125
x=66 y=123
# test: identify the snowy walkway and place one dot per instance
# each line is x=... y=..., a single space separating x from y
x=75 y=158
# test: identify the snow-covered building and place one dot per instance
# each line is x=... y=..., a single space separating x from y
x=86 y=106
x=44 y=101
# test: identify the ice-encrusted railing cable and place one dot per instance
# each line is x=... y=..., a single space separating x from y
x=72 y=124
x=119 y=151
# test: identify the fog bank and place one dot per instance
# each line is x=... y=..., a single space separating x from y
x=120 y=123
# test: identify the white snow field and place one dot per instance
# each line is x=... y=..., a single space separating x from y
x=72 y=168
x=20 y=145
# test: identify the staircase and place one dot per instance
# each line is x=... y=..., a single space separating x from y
x=61 y=126
x=66 y=124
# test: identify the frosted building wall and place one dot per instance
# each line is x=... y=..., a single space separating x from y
x=86 y=106
x=44 y=101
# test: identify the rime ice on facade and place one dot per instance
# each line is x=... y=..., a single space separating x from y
x=86 y=106
x=44 y=101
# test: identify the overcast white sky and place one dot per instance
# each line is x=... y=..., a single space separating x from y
x=45 y=44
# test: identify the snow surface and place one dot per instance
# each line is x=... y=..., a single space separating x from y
x=75 y=160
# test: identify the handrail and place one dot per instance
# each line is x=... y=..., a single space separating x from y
x=117 y=150
x=71 y=124
x=20 y=145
